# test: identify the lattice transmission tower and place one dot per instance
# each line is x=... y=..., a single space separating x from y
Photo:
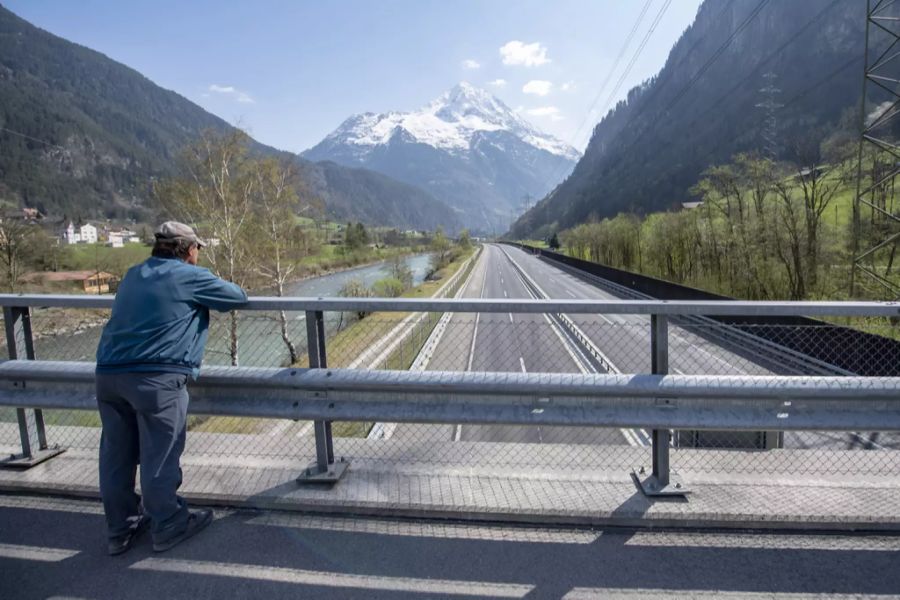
x=770 y=106
x=876 y=215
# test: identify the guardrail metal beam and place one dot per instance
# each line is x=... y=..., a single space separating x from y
x=473 y=305
x=711 y=402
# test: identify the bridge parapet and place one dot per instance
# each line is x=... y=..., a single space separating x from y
x=735 y=404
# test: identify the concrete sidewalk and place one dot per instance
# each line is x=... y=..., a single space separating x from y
x=467 y=481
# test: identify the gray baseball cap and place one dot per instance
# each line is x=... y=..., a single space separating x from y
x=173 y=230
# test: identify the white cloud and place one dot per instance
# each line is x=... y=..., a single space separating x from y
x=497 y=83
x=471 y=64
x=545 y=111
x=230 y=90
x=520 y=53
x=568 y=86
x=537 y=87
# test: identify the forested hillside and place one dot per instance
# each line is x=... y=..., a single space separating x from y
x=701 y=109
x=84 y=136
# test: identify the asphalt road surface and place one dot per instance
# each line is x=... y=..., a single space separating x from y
x=506 y=342
x=54 y=548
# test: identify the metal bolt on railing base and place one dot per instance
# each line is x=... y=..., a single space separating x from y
x=651 y=485
x=335 y=470
x=26 y=461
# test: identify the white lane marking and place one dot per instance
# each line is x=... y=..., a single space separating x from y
x=605 y=593
x=511 y=318
x=425 y=530
x=39 y=553
x=565 y=344
x=335 y=580
x=429 y=348
x=522 y=364
x=634 y=437
x=571 y=294
x=477 y=319
x=501 y=280
x=69 y=506
x=765 y=541
x=457 y=429
x=505 y=295
x=553 y=326
x=626 y=319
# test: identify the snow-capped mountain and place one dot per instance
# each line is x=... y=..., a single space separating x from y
x=467 y=147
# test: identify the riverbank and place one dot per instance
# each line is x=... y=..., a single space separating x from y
x=55 y=322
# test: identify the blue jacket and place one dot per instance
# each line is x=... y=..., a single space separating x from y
x=160 y=317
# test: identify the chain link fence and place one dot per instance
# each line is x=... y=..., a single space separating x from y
x=496 y=341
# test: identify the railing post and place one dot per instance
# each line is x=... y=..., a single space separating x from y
x=325 y=469
x=33 y=435
x=661 y=481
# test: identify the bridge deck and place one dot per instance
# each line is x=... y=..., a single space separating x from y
x=471 y=480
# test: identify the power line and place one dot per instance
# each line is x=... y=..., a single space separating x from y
x=33 y=139
x=797 y=97
x=762 y=63
x=637 y=52
x=718 y=53
x=659 y=15
x=696 y=77
x=554 y=179
x=794 y=37
x=614 y=68
x=701 y=118
x=660 y=82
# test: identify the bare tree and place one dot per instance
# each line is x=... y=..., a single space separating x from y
x=281 y=242
x=18 y=243
x=214 y=192
x=818 y=185
x=788 y=235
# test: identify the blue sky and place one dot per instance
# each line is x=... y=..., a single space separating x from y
x=291 y=71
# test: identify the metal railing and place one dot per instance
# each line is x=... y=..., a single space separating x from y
x=594 y=395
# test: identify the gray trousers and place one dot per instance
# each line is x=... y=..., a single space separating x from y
x=144 y=418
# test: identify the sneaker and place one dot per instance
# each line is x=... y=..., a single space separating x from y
x=122 y=543
x=197 y=521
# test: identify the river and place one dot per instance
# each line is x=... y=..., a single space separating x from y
x=259 y=337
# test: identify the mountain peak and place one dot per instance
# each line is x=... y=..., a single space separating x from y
x=465 y=100
x=463 y=92
x=466 y=147
x=448 y=123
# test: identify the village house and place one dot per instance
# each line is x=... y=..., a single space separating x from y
x=86 y=234
x=91 y=282
x=118 y=238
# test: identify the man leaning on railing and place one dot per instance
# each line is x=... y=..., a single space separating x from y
x=153 y=341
